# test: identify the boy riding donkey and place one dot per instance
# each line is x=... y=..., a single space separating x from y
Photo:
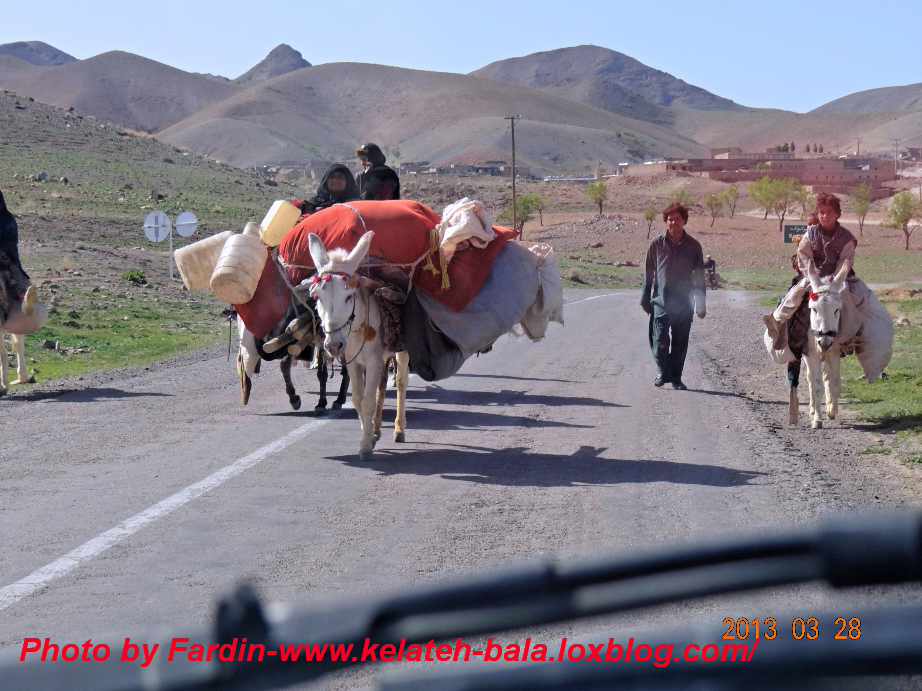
x=829 y=248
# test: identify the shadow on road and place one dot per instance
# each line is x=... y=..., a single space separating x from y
x=432 y=419
x=506 y=376
x=86 y=395
x=521 y=467
x=436 y=394
x=732 y=394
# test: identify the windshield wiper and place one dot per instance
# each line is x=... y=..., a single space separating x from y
x=846 y=551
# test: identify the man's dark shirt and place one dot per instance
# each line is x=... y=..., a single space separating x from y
x=674 y=275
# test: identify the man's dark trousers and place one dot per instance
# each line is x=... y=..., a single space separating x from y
x=669 y=342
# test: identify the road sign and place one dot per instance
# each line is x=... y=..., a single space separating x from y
x=186 y=224
x=794 y=232
x=157 y=226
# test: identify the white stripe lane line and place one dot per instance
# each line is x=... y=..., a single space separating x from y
x=594 y=297
x=39 y=579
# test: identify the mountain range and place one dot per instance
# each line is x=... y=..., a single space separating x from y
x=579 y=106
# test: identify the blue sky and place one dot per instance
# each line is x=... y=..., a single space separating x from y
x=791 y=55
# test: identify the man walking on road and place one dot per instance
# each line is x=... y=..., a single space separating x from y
x=673 y=291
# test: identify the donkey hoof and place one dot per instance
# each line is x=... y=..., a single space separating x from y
x=295 y=402
x=365 y=454
x=337 y=405
x=400 y=437
x=377 y=436
x=817 y=424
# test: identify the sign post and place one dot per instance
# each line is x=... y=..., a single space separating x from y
x=794 y=232
x=158 y=227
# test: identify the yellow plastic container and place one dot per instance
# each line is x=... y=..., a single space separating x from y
x=281 y=218
x=238 y=270
x=196 y=262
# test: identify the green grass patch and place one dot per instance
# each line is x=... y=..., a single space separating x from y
x=591 y=272
x=131 y=331
x=892 y=267
x=756 y=279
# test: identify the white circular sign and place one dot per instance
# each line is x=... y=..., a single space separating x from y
x=156 y=226
x=186 y=224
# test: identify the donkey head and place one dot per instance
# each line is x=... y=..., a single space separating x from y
x=334 y=289
x=825 y=307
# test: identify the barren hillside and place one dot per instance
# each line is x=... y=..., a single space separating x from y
x=36 y=53
x=605 y=79
x=328 y=109
x=127 y=89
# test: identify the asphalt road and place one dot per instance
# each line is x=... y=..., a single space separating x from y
x=561 y=447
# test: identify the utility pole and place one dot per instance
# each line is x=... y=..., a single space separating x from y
x=858 y=150
x=896 y=159
x=512 y=119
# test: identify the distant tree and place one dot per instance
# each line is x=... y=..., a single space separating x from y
x=682 y=197
x=714 y=203
x=598 y=192
x=821 y=148
x=814 y=147
x=902 y=210
x=731 y=195
x=793 y=148
x=861 y=200
x=540 y=204
x=761 y=193
x=649 y=215
x=524 y=211
x=806 y=200
x=785 y=194
x=785 y=148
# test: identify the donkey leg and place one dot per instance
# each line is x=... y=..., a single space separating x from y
x=19 y=345
x=322 y=381
x=372 y=377
x=814 y=386
x=401 y=377
x=3 y=364
x=832 y=382
x=357 y=379
x=793 y=399
x=343 y=386
x=293 y=398
x=379 y=402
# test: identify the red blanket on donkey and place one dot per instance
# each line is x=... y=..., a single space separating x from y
x=402 y=235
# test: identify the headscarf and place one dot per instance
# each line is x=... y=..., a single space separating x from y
x=373 y=153
x=325 y=198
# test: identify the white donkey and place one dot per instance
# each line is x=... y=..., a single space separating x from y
x=836 y=321
x=26 y=320
x=351 y=319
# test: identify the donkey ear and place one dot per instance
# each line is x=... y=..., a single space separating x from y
x=318 y=251
x=357 y=256
x=838 y=281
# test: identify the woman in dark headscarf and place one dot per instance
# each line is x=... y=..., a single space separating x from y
x=9 y=235
x=377 y=180
x=336 y=186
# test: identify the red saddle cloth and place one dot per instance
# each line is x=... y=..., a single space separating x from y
x=402 y=235
x=402 y=229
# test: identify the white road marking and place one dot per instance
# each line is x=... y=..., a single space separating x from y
x=594 y=297
x=35 y=581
